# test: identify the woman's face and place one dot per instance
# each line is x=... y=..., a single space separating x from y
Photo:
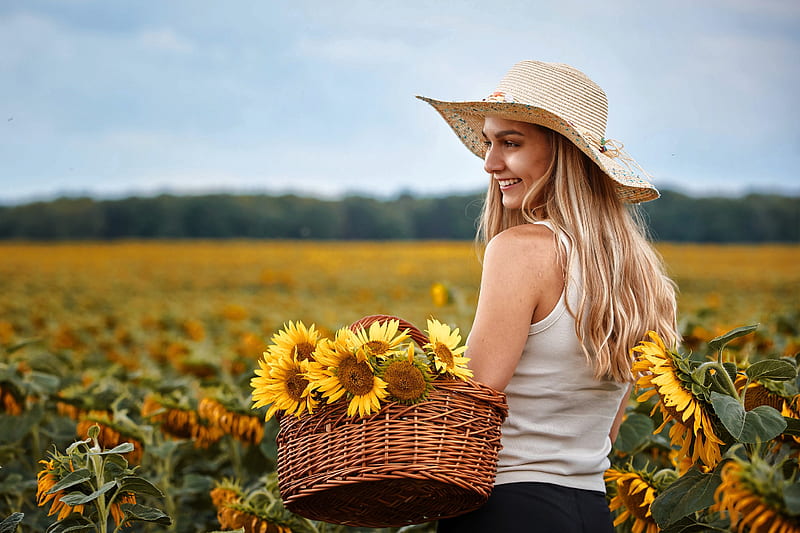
x=517 y=155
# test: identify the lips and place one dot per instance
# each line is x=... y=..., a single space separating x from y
x=508 y=182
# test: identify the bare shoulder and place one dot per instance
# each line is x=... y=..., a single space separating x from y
x=532 y=244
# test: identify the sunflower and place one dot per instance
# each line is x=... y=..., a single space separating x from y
x=764 y=392
x=8 y=401
x=111 y=435
x=283 y=384
x=407 y=379
x=754 y=499
x=669 y=376
x=116 y=507
x=232 y=518
x=225 y=491
x=382 y=339
x=294 y=340
x=440 y=294
x=635 y=493
x=443 y=348
x=180 y=422
x=346 y=370
x=244 y=428
x=46 y=479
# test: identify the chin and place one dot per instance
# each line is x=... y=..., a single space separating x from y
x=511 y=205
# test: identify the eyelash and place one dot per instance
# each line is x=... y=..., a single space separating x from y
x=510 y=144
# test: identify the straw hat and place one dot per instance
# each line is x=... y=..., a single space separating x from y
x=558 y=97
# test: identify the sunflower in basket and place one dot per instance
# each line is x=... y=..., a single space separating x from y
x=444 y=350
x=365 y=367
x=281 y=380
x=408 y=378
x=348 y=370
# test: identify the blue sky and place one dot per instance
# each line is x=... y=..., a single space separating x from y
x=115 y=98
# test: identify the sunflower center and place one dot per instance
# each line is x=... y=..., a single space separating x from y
x=404 y=381
x=758 y=394
x=355 y=376
x=295 y=385
x=303 y=351
x=377 y=347
x=633 y=502
x=443 y=353
x=676 y=415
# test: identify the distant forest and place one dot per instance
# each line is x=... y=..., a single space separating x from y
x=755 y=218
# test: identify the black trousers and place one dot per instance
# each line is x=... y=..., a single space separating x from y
x=535 y=507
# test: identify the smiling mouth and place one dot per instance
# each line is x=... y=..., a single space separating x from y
x=508 y=183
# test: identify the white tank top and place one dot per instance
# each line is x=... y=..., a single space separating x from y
x=559 y=414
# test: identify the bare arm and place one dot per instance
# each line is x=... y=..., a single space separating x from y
x=519 y=268
x=620 y=414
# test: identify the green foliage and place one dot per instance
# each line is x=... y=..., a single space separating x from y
x=693 y=492
x=9 y=525
x=760 y=424
x=757 y=437
x=674 y=217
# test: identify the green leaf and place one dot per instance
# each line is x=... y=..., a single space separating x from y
x=758 y=425
x=732 y=370
x=791 y=497
x=139 y=485
x=634 y=431
x=690 y=493
x=774 y=369
x=792 y=426
x=125 y=447
x=14 y=428
x=20 y=345
x=70 y=480
x=78 y=498
x=74 y=523
x=718 y=343
x=145 y=514
x=44 y=383
x=9 y=525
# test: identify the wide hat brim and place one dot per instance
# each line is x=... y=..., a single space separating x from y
x=466 y=120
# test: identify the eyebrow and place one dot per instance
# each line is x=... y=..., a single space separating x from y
x=503 y=133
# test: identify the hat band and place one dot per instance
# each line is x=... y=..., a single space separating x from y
x=614 y=150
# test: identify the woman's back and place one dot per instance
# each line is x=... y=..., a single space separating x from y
x=559 y=414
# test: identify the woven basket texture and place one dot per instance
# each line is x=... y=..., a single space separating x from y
x=402 y=465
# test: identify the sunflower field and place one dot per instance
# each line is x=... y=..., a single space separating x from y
x=126 y=368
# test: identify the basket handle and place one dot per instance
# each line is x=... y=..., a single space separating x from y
x=416 y=335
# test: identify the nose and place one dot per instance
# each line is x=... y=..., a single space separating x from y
x=492 y=160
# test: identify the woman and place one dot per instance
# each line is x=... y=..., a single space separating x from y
x=569 y=285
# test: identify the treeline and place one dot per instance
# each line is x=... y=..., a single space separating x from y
x=675 y=217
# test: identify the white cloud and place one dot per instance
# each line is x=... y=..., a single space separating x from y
x=165 y=39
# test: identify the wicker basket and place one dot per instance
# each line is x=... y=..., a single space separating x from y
x=402 y=465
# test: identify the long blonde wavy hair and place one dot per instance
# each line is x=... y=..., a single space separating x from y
x=626 y=291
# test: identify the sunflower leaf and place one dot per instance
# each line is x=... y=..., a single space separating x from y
x=634 y=431
x=731 y=369
x=758 y=425
x=78 y=498
x=692 y=492
x=70 y=480
x=791 y=497
x=9 y=525
x=774 y=369
x=125 y=447
x=792 y=426
x=144 y=513
x=74 y=523
x=139 y=485
x=718 y=343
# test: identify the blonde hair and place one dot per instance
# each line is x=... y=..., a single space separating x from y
x=626 y=291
